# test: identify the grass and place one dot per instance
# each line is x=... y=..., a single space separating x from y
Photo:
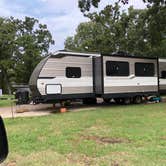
x=115 y=135
x=5 y=100
x=5 y=103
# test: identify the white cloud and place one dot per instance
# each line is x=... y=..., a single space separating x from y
x=63 y=26
x=8 y=9
x=60 y=5
x=65 y=23
x=3 y=10
x=138 y=4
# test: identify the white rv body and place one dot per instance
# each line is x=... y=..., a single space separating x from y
x=130 y=83
x=52 y=78
x=71 y=75
x=162 y=75
x=55 y=68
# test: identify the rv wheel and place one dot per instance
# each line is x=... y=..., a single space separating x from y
x=107 y=100
x=118 y=100
x=89 y=101
x=138 y=99
x=67 y=103
x=127 y=101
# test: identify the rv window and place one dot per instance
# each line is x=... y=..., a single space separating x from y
x=117 y=68
x=163 y=74
x=73 y=72
x=144 y=69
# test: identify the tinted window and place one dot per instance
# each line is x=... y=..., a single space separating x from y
x=163 y=74
x=144 y=69
x=73 y=72
x=116 y=68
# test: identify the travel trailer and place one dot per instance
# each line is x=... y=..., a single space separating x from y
x=67 y=75
x=62 y=76
x=162 y=75
x=126 y=78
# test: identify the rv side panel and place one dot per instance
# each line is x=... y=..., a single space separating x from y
x=162 y=75
x=55 y=72
x=126 y=80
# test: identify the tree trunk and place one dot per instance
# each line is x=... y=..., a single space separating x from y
x=6 y=84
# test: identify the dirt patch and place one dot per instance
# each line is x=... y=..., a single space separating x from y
x=80 y=159
x=105 y=140
x=22 y=110
x=26 y=110
x=114 y=163
x=12 y=163
x=163 y=138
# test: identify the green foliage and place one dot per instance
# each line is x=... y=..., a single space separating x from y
x=87 y=38
x=75 y=138
x=33 y=40
x=111 y=30
x=85 y=5
x=23 y=43
x=156 y=19
x=7 y=47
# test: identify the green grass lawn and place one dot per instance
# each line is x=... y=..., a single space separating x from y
x=7 y=101
x=115 y=135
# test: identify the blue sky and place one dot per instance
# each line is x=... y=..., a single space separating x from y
x=61 y=16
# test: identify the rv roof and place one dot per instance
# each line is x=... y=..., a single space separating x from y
x=75 y=53
x=162 y=60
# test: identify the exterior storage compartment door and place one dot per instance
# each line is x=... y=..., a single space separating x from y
x=53 y=89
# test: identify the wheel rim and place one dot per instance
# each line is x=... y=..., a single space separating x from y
x=138 y=99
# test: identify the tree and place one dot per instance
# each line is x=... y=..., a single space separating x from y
x=88 y=38
x=85 y=5
x=108 y=31
x=33 y=40
x=7 y=47
x=156 y=18
x=22 y=45
x=153 y=22
x=140 y=32
x=69 y=43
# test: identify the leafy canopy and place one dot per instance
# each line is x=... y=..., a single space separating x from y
x=85 y=5
x=110 y=30
x=22 y=45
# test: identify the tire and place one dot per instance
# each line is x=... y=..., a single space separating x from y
x=67 y=103
x=118 y=100
x=107 y=100
x=138 y=99
x=89 y=101
x=127 y=101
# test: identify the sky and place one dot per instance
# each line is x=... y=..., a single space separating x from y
x=61 y=16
